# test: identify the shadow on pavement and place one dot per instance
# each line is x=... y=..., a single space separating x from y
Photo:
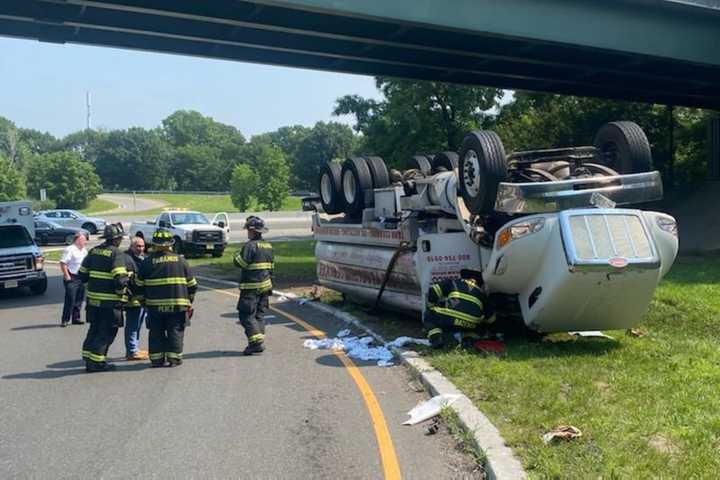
x=70 y=369
x=213 y=354
x=331 y=360
x=37 y=327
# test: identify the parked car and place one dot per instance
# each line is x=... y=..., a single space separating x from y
x=73 y=218
x=193 y=232
x=47 y=232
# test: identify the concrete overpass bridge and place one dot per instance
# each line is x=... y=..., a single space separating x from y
x=663 y=51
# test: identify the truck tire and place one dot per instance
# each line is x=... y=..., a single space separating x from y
x=624 y=146
x=330 y=188
x=378 y=172
x=90 y=227
x=356 y=180
x=39 y=288
x=420 y=162
x=483 y=166
x=444 y=162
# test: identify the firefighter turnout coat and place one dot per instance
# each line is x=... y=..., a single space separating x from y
x=256 y=261
x=106 y=275
x=164 y=283
x=459 y=300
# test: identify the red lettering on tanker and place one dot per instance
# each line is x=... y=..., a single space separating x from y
x=360 y=232
x=365 y=277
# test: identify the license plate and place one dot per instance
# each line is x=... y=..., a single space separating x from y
x=209 y=247
x=11 y=284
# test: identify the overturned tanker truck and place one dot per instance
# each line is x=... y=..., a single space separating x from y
x=543 y=226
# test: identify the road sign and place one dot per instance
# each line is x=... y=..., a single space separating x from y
x=43 y=195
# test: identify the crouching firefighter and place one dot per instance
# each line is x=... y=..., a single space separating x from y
x=457 y=306
x=167 y=287
x=103 y=269
x=256 y=261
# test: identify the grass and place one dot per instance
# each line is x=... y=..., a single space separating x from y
x=648 y=407
x=99 y=205
x=207 y=203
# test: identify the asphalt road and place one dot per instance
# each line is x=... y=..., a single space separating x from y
x=126 y=203
x=290 y=413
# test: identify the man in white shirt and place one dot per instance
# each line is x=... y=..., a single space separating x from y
x=70 y=263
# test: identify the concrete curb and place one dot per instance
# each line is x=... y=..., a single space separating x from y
x=500 y=464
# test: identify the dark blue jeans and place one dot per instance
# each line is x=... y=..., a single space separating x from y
x=134 y=317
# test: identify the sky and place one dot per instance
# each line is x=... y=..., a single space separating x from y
x=43 y=86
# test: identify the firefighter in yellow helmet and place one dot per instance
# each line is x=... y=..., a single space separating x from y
x=457 y=306
x=104 y=272
x=167 y=288
x=256 y=261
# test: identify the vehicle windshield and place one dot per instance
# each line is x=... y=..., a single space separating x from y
x=189 y=217
x=12 y=236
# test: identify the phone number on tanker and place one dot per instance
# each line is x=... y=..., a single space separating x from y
x=448 y=258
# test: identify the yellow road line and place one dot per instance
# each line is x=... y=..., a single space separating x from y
x=390 y=464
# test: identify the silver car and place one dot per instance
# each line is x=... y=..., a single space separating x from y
x=73 y=218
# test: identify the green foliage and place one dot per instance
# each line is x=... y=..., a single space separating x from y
x=243 y=186
x=418 y=117
x=87 y=143
x=273 y=174
x=12 y=182
x=134 y=159
x=48 y=204
x=70 y=181
x=325 y=142
x=187 y=127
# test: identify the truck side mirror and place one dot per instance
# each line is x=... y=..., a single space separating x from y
x=163 y=223
x=221 y=224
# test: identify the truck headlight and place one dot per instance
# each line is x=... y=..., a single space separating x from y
x=519 y=230
x=667 y=224
x=188 y=236
x=39 y=262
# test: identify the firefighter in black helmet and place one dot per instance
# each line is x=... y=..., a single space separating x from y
x=256 y=261
x=107 y=278
x=457 y=306
x=167 y=288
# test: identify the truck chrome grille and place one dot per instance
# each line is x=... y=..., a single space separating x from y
x=207 y=236
x=14 y=265
x=597 y=237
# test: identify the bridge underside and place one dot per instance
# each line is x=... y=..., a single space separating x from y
x=335 y=35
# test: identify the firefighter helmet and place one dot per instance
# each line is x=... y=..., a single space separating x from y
x=162 y=238
x=255 y=223
x=113 y=231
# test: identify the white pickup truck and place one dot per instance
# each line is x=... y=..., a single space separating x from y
x=21 y=261
x=194 y=234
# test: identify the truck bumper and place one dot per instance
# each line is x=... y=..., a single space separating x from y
x=25 y=280
x=200 y=248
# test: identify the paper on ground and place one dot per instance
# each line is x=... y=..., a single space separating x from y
x=430 y=408
x=591 y=334
x=360 y=348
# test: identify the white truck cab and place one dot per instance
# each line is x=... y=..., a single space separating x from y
x=21 y=261
x=194 y=234
x=543 y=227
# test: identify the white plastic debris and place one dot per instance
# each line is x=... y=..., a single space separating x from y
x=303 y=301
x=360 y=348
x=282 y=298
x=591 y=334
x=430 y=408
x=343 y=333
x=385 y=363
x=402 y=341
x=266 y=317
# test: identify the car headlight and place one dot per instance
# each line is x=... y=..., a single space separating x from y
x=519 y=230
x=667 y=224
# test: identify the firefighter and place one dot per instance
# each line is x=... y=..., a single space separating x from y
x=104 y=272
x=457 y=306
x=256 y=261
x=167 y=289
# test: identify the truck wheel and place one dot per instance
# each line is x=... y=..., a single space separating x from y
x=444 y=162
x=378 y=172
x=330 y=188
x=90 y=227
x=482 y=167
x=420 y=162
x=38 y=288
x=356 y=180
x=624 y=147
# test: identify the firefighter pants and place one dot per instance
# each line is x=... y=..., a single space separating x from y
x=441 y=327
x=252 y=307
x=167 y=333
x=104 y=324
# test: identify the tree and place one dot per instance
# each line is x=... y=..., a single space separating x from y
x=38 y=142
x=200 y=167
x=70 y=181
x=134 y=159
x=324 y=142
x=85 y=142
x=274 y=176
x=243 y=186
x=12 y=182
x=188 y=127
x=418 y=116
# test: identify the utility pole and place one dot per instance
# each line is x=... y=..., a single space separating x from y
x=88 y=124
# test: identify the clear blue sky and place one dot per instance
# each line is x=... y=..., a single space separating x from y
x=43 y=87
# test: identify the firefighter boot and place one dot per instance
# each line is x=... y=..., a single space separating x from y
x=92 y=367
x=255 y=347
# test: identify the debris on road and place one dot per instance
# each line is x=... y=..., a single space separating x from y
x=360 y=348
x=591 y=334
x=563 y=432
x=430 y=408
x=635 y=332
x=433 y=428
